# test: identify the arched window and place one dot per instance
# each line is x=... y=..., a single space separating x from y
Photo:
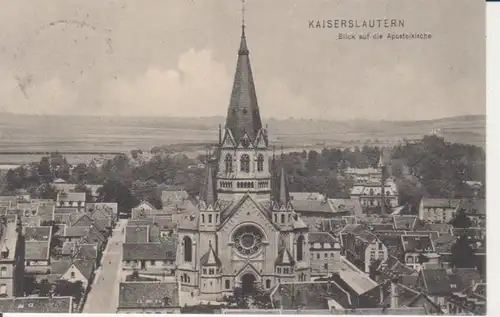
x=188 y=248
x=228 y=161
x=300 y=248
x=227 y=284
x=245 y=163
x=260 y=163
x=371 y=192
x=268 y=283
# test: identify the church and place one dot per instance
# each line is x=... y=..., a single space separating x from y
x=244 y=231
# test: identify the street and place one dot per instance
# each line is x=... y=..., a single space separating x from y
x=103 y=296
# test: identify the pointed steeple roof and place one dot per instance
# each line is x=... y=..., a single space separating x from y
x=243 y=113
x=208 y=193
x=284 y=257
x=280 y=194
x=210 y=258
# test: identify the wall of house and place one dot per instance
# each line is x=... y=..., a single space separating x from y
x=7 y=279
x=324 y=261
x=375 y=251
x=78 y=276
x=436 y=215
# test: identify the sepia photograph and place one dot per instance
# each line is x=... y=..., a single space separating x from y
x=243 y=157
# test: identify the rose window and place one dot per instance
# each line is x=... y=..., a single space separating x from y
x=248 y=240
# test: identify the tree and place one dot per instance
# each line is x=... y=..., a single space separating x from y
x=66 y=288
x=81 y=188
x=44 y=288
x=462 y=254
x=461 y=220
x=117 y=192
x=30 y=285
x=47 y=191
x=259 y=298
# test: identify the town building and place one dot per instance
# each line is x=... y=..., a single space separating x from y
x=11 y=257
x=438 y=210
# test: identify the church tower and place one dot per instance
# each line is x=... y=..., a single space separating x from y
x=243 y=148
x=210 y=213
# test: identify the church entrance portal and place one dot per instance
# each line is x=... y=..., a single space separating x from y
x=248 y=283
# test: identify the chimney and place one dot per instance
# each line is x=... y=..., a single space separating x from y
x=394 y=295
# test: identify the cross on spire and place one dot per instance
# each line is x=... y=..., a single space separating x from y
x=243 y=16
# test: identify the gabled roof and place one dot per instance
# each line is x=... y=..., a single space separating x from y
x=322 y=238
x=71 y=197
x=474 y=206
x=41 y=305
x=404 y=222
x=37 y=250
x=417 y=243
x=42 y=233
x=233 y=208
x=284 y=257
x=351 y=206
x=86 y=267
x=137 y=234
x=149 y=251
x=148 y=294
x=313 y=206
x=78 y=231
x=436 y=282
x=440 y=202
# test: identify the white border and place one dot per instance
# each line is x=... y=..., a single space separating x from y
x=492 y=147
x=493 y=157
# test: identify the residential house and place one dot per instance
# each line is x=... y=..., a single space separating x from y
x=363 y=247
x=442 y=245
x=103 y=225
x=438 y=210
x=404 y=222
x=37 y=305
x=74 y=200
x=149 y=297
x=441 y=284
x=76 y=250
x=150 y=258
x=417 y=250
x=314 y=211
x=362 y=175
x=45 y=213
x=37 y=248
x=173 y=197
x=103 y=211
x=65 y=215
x=370 y=194
x=325 y=254
x=142 y=210
x=470 y=301
x=306 y=196
x=475 y=210
x=73 y=270
x=11 y=258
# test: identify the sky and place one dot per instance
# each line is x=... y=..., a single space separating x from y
x=176 y=58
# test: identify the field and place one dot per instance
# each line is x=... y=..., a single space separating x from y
x=23 y=133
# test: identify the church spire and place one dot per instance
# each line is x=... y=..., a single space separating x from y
x=280 y=194
x=208 y=193
x=243 y=112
